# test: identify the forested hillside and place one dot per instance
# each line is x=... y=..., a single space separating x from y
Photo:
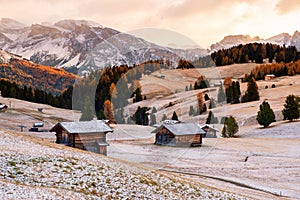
x=25 y=73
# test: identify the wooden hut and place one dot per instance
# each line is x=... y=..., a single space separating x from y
x=86 y=135
x=210 y=131
x=181 y=134
x=269 y=77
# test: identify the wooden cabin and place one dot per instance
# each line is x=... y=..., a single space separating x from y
x=269 y=77
x=86 y=135
x=210 y=132
x=181 y=134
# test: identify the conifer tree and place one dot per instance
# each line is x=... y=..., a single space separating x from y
x=164 y=117
x=87 y=111
x=154 y=110
x=152 y=119
x=252 y=91
x=141 y=116
x=191 y=111
x=229 y=94
x=230 y=127
x=265 y=115
x=221 y=94
x=291 y=108
x=211 y=119
x=212 y=103
x=174 y=116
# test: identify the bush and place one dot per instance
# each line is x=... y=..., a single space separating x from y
x=273 y=86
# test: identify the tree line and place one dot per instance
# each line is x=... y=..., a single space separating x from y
x=252 y=52
x=277 y=69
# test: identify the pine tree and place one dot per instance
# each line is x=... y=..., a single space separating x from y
x=175 y=117
x=212 y=103
x=265 y=115
x=186 y=88
x=164 y=117
x=230 y=127
x=101 y=115
x=141 y=116
x=252 y=91
x=138 y=95
x=221 y=95
x=191 y=111
x=154 y=110
x=211 y=119
x=291 y=108
x=119 y=116
x=235 y=92
x=229 y=94
x=152 y=119
x=87 y=111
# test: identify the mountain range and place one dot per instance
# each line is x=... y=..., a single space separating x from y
x=83 y=46
x=280 y=39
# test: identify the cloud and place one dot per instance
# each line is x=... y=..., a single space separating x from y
x=284 y=7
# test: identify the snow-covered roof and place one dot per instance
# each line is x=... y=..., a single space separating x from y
x=209 y=126
x=182 y=129
x=2 y=106
x=167 y=121
x=94 y=126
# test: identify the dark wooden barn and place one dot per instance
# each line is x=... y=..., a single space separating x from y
x=86 y=135
x=181 y=134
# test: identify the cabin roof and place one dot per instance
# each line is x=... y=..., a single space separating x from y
x=181 y=129
x=210 y=127
x=94 y=126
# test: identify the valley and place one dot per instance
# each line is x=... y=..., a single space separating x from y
x=259 y=163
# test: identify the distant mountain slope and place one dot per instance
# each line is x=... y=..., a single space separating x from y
x=82 y=44
x=280 y=39
x=24 y=72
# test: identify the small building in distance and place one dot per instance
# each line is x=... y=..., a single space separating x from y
x=210 y=131
x=161 y=76
x=179 y=134
x=269 y=77
x=86 y=135
x=36 y=126
x=3 y=107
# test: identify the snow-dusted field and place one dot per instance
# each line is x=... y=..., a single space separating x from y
x=259 y=163
x=272 y=165
x=35 y=169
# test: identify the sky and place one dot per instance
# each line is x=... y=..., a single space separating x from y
x=199 y=22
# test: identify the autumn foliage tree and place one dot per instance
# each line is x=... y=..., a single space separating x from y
x=109 y=111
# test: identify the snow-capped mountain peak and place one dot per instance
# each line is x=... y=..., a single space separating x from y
x=5 y=57
x=280 y=39
x=86 y=45
x=7 y=23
